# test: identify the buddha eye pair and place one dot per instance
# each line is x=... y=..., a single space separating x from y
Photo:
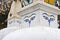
x=32 y=18
x=52 y=19
x=10 y=22
x=48 y=17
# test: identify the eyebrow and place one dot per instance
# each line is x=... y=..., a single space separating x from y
x=29 y=16
x=52 y=15
x=45 y=14
x=26 y=17
x=33 y=14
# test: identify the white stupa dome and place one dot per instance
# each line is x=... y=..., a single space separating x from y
x=34 y=33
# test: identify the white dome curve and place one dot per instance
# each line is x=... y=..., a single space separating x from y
x=34 y=33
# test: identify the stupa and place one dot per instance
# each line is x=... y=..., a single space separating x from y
x=33 y=14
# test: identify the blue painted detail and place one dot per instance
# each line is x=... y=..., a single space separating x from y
x=29 y=19
x=49 y=22
x=32 y=18
x=50 y=18
x=29 y=23
x=46 y=17
x=26 y=20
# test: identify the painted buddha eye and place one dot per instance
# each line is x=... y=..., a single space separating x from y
x=26 y=20
x=45 y=17
x=52 y=19
x=32 y=18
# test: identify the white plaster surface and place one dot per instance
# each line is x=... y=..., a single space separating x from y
x=34 y=33
x=6 y=31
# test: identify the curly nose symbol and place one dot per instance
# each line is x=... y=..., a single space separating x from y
x=29 y=23
x=49 y=21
